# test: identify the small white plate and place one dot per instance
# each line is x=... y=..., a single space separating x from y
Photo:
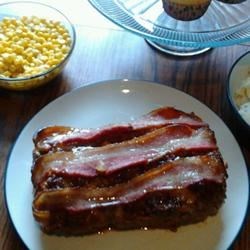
x=117 y=101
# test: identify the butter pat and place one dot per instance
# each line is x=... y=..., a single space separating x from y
x=242 y=95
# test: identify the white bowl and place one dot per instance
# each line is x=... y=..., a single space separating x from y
x=239 y=72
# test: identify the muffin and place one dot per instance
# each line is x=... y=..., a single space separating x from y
x=186 y=10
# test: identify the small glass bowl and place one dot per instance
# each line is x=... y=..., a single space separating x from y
x=239 y=72
x=40 y=10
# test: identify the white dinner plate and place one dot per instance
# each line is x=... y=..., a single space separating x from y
x=118 y=101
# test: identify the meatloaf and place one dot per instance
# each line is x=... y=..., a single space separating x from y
x=163 y=170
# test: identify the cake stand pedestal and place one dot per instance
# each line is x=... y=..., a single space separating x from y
x=177 y=50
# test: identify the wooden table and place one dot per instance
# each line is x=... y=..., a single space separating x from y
x=104 y=51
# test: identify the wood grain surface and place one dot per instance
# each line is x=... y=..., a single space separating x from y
x=104 y=51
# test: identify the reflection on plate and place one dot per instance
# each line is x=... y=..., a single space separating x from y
x=116 y=101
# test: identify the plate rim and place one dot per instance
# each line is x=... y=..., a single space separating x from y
x=120 y=80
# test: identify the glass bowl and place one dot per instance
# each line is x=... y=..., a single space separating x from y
x=237 y=90
x=44 y=13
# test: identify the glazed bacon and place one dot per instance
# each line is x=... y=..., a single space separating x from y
x=65 y=138
x=105 y=164
x=163 y=170
x=149 y=200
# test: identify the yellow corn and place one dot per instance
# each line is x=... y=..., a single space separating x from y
x=31 y=45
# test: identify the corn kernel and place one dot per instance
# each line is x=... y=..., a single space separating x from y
x=6 y=74
x=2 y=68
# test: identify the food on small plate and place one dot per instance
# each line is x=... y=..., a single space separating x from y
x=242 y=99
x=164 y=172
x=186 y=10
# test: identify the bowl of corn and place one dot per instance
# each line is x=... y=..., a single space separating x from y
x=36 y=41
